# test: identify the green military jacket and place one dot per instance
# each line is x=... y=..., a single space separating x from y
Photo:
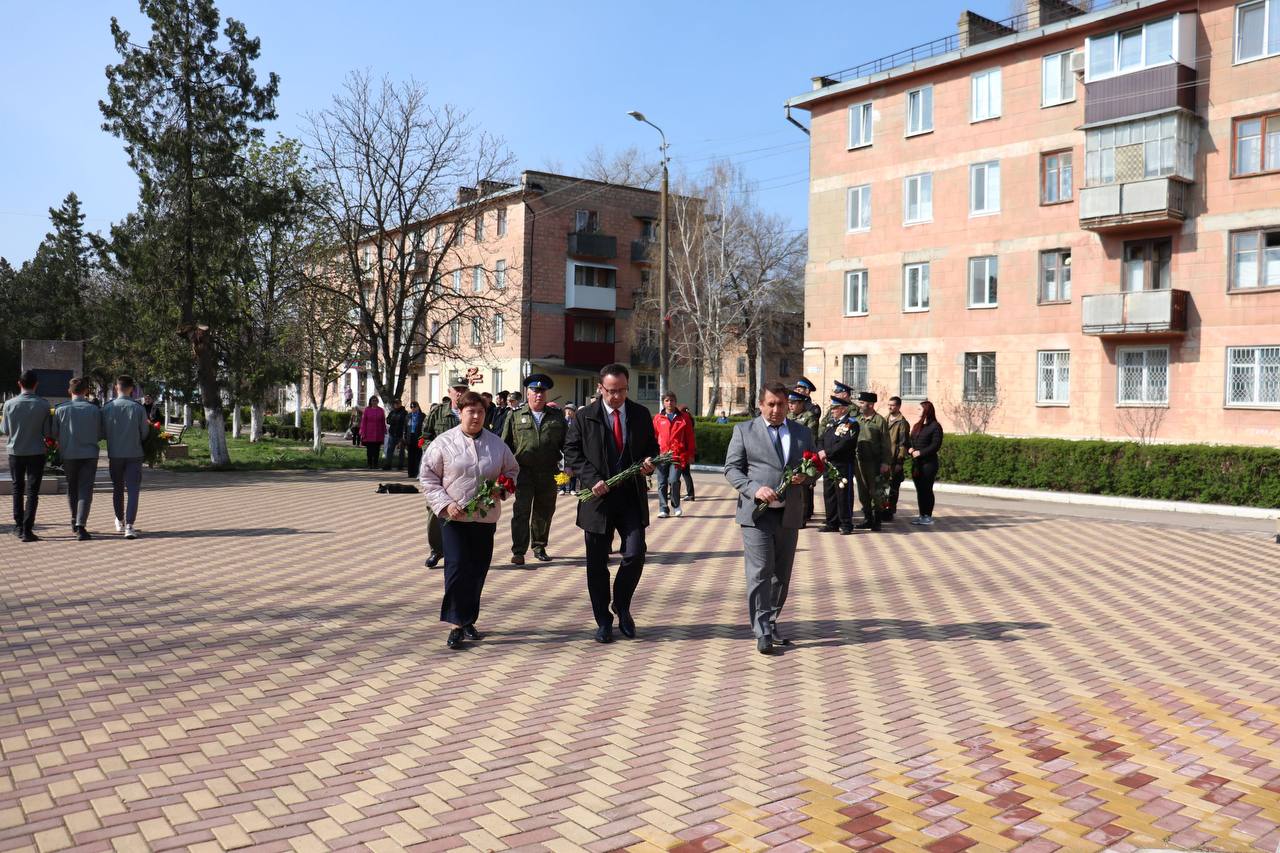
x=874 y=444
x=899 y=438
x=536 y=447
x=808 y=418
x=440 y=420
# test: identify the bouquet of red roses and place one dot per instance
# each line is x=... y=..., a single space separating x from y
x=490 y=492
x=52 y=454
x=811 y=465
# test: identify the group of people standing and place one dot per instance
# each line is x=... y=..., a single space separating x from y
x=77 y=426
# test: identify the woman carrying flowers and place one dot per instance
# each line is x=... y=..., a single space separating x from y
x=466 y=472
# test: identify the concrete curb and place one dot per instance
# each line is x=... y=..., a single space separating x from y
x=1080 y=499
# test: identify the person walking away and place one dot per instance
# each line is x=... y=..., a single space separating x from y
x=686 y=473
x=609 y=436
x=926 y=441
x=675 y=434
x=458 y=461
x=440 y=420
x=899 y=444
x=412 y=432
x=27 y=422
x=536 y=435
x=373 y=432
x=839 y=450
x=760 y=452
x=395 y=436
x=125 y=423
x=79 y=427
x=874 y=452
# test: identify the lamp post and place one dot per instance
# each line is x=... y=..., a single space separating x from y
x=663 y=342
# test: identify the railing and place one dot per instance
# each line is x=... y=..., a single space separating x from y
x=1141 y=312
x=640 y=250
x=589 y=244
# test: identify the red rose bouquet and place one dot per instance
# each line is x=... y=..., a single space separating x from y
x=811 y=465
x=422 y=442
x=487 y=497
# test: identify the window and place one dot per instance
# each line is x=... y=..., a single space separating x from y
x=647 y=386
x=366 y=257
x=920 y=110
x=499 y=329
x=860 y=118
x=497 y=379
x=855 y=293
x=1144 y=377
x=455 y=333
x=1257 y=29
x=853 y=371
x=860 y=208
x=592 y=331
x=915 y=287
x=1055 y=177
x=740 y=395
x=649 y=230
x=1053 y=377
x=437 y=287
x=479 y=227
x=1253 y=376
x=435 y=329
x=457 y=281
x=1133 y=150
x=500 y=274
x=917 y=198
x=980 y=377
x=742 y=366
x=985 y=103
x=502 y=222
x=913 y=382
x=477 y=279
x=1055 y=276
x=784 y=367
x=1146 y=264
x=983 y=273
x=1141 y=47
x=586 y=221
x=1057 y=83
x=984 y=188
x=437 y=241
x=1255 y=259
x=475 y=332
x=1257 y=146
x=460 y=232
x=585 y=276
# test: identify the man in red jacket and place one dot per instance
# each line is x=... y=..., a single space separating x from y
x=674 y=429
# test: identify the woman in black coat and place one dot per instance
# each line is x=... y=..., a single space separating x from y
x=926 y=440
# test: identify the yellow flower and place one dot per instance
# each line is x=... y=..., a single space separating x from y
x=562 y=479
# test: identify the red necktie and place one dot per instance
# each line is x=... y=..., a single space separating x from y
x=617 y=431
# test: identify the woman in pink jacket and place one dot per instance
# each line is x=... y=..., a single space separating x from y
x=373 y=431
x=458 y=461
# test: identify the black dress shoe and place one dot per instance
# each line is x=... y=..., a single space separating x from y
x=541 y=555
x=829 y=528
x=776 y=636
x=29 y=536
x=846 y=531
x=764 y=645
x=517 y=559
x=75 y=528
x=432 y=559
x=604 y=634
x=627 y=625
x=83 y=535
x=866 y=525
x=455 y=639
x=470 y=631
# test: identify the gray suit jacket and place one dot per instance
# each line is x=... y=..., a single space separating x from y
x=751 y=462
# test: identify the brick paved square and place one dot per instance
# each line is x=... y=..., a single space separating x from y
x=265 y=668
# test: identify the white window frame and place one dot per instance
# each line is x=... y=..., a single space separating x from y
x=919 y=371
x=856 y=292
x=990 y=171
x=990 y=265
x=990 y=79
x=1111 y=42
x=923 y=182
x=858 y=209
x=1256 y=369
x=455 y=333
x=1120 y=367
x=1059 y=363
x=1270 y=18
x=500 y=274
x=457 y=281
x=477 y=279
x=499 y=329
x=861 y=124
x=477 y=332
x=923 y=281
x=925 y=96
x=502 y=222
x=1059 y=66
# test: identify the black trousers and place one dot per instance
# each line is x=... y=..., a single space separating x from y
x=896 y=476
x=415 y=458
x=686 y=474
x=844 y=497
x=80 y=476
x=26 y=473
x=468 y=551
x=829 y=504
x=923 y=473
x=372 y=450
x=628 y=523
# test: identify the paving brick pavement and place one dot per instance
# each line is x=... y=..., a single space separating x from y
x=265 y=669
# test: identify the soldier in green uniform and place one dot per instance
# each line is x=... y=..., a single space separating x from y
x=440 y=420
x=798 y=410
x=535 y=434
x=875 y=451
x=806 y=387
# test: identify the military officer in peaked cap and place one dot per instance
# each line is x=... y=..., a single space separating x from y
x=535 y=433
x=830 y=499
x=800 y=411
x=875 y=452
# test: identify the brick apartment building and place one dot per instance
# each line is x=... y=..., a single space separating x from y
x=778 y=355
x=564 y=261
x=1073 y=213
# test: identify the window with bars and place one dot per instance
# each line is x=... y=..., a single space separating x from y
x=1055 y=177
x=1055 y=276
x=1253 y=376
x=979 y=377
x=915 y=287
x=917 y=198
x=853 y=371
x=1255 y=259
x=920 y=110
x=913 y=382
x=855 y=293
x=859 y=215
x=983 y=275
x=1257 y=145
x=860 y=119
x=1053 y=377
x=1143 y=376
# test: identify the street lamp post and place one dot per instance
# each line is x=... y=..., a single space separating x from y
x=663 y=310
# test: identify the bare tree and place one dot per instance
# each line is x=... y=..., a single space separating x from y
x=770 y=281
x=404 y=183
x=630 y=166
x=1142 y=423
x=972 y=410
x=323 y=337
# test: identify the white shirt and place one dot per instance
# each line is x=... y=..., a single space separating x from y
x=784 y=435
x=622 y=415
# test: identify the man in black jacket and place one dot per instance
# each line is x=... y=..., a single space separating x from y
x=839 y=450
x=396 y=421
x=608 y=436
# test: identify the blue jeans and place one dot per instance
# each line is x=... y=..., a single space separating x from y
x=668 y=486
x=389 y=445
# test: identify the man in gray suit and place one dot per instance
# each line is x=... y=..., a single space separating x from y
x=759 y=452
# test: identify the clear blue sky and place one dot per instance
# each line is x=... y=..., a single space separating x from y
x=542 y=74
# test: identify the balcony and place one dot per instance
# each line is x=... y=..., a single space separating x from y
x=642 y=251
x=1143 y=312
x=1117 y=207
x=1140 y=93
x=589 y=244
x=590 y=354
x=590 y=298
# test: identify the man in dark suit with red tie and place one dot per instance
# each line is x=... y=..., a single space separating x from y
x=608 y=436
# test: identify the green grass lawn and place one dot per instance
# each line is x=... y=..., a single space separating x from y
x=270 y=454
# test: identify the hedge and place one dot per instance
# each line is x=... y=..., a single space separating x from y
x=1237 y=476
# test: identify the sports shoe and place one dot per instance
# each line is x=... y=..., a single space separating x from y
x=119 y=526
x=662 y=514
x=678 y=512
x=927 y=520
x=918 y=520
x=129 y=532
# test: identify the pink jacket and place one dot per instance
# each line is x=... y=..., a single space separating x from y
x=456 y=464
x=373 y=425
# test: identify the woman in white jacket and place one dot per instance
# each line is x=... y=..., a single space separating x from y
x=456 y=464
